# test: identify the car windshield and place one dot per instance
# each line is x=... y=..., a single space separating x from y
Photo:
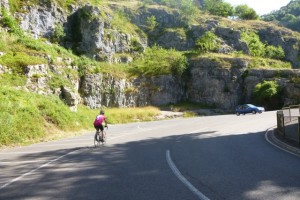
x=250 y=105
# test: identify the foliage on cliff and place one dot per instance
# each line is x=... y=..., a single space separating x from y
x=288 y=15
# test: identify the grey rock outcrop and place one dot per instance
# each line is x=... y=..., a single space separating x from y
x=40 y=21
x=104 y=90
x=95 y=37
x=100 y=90
x=4 y=4
x=212 y=84
x=283 y=38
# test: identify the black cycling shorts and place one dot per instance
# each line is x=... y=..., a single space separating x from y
x=99 y=127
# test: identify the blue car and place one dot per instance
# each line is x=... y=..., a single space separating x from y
x=248 y=108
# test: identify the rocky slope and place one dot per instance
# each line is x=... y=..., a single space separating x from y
x=91 y=31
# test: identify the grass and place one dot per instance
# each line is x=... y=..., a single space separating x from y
x=27 y=117
x=224 y=60
x=185 y=107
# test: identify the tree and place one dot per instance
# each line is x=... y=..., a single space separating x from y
x=245 y=12
x=218 y=7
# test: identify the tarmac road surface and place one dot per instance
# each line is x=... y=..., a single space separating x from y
x=213 y=157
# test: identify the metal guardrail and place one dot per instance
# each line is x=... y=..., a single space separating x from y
x=288 y=122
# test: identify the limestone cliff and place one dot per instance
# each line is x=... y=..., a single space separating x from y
x=92 y=31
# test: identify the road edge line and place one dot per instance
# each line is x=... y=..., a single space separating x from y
x=274 y=144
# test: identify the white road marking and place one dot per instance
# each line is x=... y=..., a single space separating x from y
x=177 y=173
x=51 y=161
x=21 y=152
x=44 y=165
x=21 y=162
x=32 y=171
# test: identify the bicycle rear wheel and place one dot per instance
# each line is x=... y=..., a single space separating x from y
x=103 y=139
x=97 y=139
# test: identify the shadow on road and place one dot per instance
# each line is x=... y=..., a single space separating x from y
x=241 y=166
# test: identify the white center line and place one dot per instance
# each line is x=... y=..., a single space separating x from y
x=32 y=171
x=177 y=173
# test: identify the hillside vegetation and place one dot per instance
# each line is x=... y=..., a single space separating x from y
x=288 y=16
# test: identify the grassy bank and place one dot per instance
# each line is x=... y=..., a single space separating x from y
x=27 y=118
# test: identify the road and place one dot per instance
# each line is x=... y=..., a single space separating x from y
x=213 y=157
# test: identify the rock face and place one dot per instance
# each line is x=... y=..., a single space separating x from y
x=90 y=31
x=212 y=84
x=104 y=90
x=4 y=4
x=94 y=36
x=283 y=38
x=40 y=21
x=225 y=88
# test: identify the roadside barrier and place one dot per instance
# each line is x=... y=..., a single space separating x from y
x=288 y=122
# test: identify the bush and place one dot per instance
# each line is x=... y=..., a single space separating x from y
x=267 y=93
x=151 y=22
x=208 y=42
x=159 y=61
x=256 y=47
x=9 y=21
x=274 y=52
x=58 y=34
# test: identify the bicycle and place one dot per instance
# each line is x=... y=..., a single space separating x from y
x=100 y=138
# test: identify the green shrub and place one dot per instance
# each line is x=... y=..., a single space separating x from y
x=151 y=22
x=85 y=65
x=274 y=52
x=208 y=42
x=159 y=61
x=58 y=34
x=9 y=21
x=267 y=93
x=256 y=47
x=59 y=81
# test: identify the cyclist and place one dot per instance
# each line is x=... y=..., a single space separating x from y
x=98 y=123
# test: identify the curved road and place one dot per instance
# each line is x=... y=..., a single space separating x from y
x=215 y=157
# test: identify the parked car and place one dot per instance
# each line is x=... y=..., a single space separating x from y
x=248 y=108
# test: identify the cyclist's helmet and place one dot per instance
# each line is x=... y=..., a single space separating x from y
x=101 y=112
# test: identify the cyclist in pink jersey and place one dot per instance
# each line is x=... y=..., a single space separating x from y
x=98 y=123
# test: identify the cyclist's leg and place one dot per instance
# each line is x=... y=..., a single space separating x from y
x=97 y=134
x=102 y=132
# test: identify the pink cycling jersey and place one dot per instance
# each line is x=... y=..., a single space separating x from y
x=99 y=119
